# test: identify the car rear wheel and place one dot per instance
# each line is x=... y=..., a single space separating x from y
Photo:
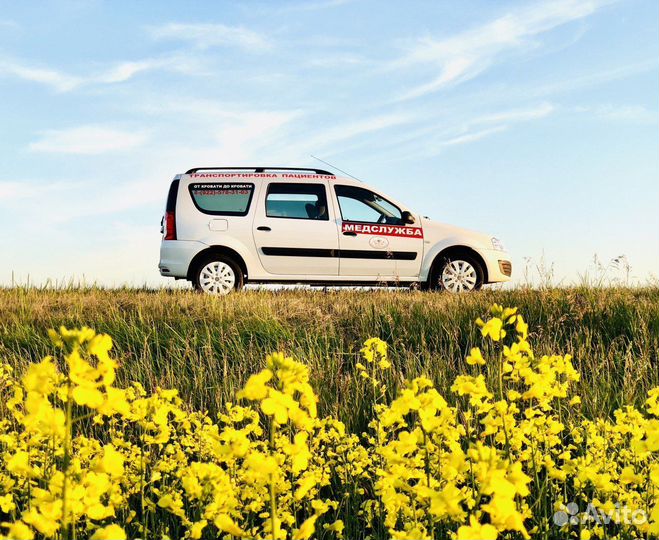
x=218 y=275
x=458 y=274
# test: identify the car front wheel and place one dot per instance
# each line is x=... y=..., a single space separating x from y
x=458 y=274
x=218 y=275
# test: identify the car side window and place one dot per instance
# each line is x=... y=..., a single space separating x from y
x=296 y=201
x=222 y=199
x=364 y=206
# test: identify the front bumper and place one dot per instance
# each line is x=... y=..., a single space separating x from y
x=499 y=265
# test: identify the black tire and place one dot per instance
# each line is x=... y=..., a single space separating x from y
x=225 y=266
x=439 y=283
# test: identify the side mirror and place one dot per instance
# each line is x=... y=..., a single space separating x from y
x=407 y=218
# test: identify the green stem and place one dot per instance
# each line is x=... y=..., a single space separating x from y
x=67 y=459
x=273 y=498
x=145 y=524
x=427 y=470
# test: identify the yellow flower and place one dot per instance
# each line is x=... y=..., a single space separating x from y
x=42 y=377
x=476 y=531
x=424 y=463
x=19 y=464
x=374 y=349
x=89 y=396
x=115 y=402
x=336 y=527
x=277 y=406
x=261 y=464
x=256 y=388
x=475 y=357
x=305 y=484
x=226 y=524
x=652 y=403
x=7 y=503
x=112 y=461
x=111 y=532
x=472 y=386
x=503 y=513
x=197 y=529
x=173 y=503
x=45 y=525
x=300 y=453
x=494 y=329
x=306 y=529
x=18 y=531
x=521 y=327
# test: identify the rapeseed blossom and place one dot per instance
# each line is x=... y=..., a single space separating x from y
x=507 y=447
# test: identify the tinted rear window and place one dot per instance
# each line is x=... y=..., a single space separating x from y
x=223 y=199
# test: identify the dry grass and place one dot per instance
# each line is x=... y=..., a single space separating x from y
x=206 y=347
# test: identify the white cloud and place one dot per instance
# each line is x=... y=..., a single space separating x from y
x=61 y=82
x=502 y=120
x=91 y=139
x=428 y=141
x=311 y=6
x=473 y=136
x=124 y=71
x=204 y=36
x=591 y=79
x=127 y=70
x=212 y=128
x=340 y=61
x=465 y=55
x=625 y=113
x=14 y=190
x=516 y=115
x=244 y=136
x=453 y=70
x=117 y=73
x=343 y=132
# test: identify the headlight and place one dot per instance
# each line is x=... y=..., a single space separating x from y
x=497 y=244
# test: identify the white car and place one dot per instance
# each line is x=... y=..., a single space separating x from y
x=227 y=226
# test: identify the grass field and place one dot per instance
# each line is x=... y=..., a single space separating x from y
x=207 y=347
x=524 y=436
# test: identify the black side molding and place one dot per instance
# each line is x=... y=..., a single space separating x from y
x=343 y=253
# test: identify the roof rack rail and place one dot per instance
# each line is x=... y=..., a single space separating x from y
x=258 y=169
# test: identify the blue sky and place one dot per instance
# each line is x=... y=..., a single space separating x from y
x=536 y=121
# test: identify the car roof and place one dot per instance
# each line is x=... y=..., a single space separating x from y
x=260 y=169
x=257 y=173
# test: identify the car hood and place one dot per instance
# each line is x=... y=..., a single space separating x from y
x=435 y=231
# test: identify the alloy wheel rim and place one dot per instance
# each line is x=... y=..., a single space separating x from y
x=459 y=276
x=217 y=277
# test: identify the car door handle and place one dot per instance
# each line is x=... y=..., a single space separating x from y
x=263 y=228
x=349 y=233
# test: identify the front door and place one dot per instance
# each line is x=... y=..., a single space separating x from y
x=373 y=238
x=295 y=230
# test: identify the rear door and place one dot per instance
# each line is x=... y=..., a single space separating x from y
x=295 y=229
x=373 y=239
x=216 y=212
